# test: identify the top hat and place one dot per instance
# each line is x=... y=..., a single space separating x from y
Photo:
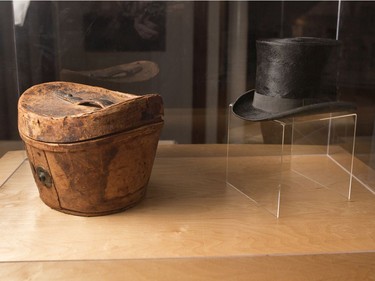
x=294 y=76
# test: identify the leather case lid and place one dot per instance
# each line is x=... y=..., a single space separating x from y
x=64 y=112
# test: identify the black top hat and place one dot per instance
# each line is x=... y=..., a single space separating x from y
x=295 y=76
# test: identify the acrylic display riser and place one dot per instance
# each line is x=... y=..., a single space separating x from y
x=275 y=163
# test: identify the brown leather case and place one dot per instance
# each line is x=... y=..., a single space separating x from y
x=91 y=150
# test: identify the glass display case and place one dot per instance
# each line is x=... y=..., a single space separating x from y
x=200 y=56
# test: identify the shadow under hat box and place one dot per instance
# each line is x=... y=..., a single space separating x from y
x=91 y=150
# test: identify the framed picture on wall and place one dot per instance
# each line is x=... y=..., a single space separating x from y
x=125 y=26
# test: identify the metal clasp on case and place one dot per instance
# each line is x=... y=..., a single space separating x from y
x=44 y=177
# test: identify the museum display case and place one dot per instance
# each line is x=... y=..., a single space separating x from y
x=227 y=198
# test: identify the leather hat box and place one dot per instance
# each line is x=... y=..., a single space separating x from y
x=91 y=150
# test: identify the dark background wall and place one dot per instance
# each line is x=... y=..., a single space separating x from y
x=8 y=75
x=38 y=39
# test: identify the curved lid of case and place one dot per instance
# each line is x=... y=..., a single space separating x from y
x=64 y=112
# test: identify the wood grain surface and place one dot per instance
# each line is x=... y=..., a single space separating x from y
x=9 y=163
x=191 y=223
x=343 y=267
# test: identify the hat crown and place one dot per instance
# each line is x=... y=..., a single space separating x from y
x=297 y=68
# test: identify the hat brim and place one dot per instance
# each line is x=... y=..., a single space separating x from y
x=244 y=109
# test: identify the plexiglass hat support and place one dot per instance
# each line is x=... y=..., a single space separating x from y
x=280 y=164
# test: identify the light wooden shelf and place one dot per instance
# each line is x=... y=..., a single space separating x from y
x=190 y=226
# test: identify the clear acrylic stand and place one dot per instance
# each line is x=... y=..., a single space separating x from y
x=270 y=160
